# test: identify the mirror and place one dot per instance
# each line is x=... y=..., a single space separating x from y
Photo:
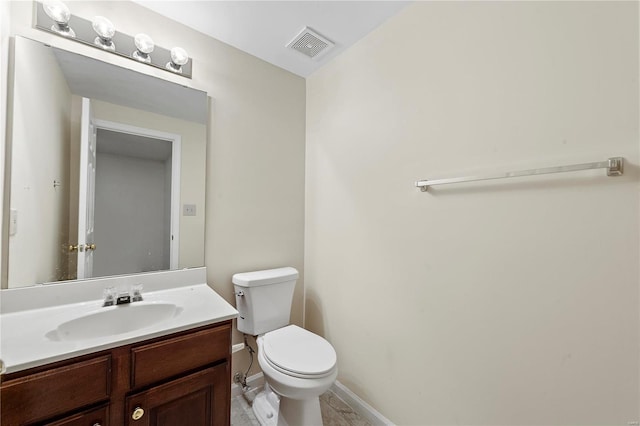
x=105 y=170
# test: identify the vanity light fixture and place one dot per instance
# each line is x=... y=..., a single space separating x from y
x=140 y=48
x=179 y=57
x=105 y=30
x=60 y=14
x=145 y=46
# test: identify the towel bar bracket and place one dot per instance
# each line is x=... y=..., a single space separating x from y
x=616 y=166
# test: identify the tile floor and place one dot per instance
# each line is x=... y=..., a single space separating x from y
x=335 y=412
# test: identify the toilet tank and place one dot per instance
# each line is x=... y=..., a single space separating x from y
x=263 y=299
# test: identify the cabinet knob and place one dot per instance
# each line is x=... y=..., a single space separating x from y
x=137 y=413
x=97 y=424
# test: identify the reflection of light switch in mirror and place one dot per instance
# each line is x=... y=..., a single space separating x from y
x=13 y=222
x=189 y=210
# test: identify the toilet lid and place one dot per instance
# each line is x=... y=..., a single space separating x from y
x=299 y=351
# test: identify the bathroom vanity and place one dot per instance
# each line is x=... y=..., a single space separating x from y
x=170 y=371
x=183 y=378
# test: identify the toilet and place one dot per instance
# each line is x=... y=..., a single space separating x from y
x=298 y=365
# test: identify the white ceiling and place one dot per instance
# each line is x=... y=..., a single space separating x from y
x=264 y=28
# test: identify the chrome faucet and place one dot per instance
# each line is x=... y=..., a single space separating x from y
x=137 y=293
x=109 y=296
x=123 y=298
x=113 y=297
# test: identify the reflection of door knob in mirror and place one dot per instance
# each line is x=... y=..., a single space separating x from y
x=88 y=247
x=137 y=413
x=73 y=248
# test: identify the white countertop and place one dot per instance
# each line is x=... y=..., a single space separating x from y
x=28 y=337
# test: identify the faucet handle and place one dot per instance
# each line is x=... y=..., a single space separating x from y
x=137 y=292
x=109 y=294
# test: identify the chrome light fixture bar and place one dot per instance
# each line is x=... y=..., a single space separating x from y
x=54 y=17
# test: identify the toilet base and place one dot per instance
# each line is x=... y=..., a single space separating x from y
x=274 y=410
x=265 y=406
x=299 y=412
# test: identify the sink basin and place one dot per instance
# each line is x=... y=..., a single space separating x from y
x=114 y=320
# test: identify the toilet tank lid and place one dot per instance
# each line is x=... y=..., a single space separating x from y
x=268 y=276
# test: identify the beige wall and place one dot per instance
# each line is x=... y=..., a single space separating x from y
x=505 y=302
x=39 y=156
x=255 y=149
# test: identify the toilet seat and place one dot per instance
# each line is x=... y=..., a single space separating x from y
x=299 y=353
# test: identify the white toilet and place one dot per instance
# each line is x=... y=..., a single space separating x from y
x=297 y=365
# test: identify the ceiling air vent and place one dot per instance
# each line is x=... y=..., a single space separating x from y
x=310 y=43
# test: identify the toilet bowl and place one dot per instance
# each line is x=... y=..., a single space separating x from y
x=299 y=366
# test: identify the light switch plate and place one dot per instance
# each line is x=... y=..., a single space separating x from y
x=189 y=210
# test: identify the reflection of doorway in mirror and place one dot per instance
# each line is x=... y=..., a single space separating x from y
x=43 y=154
x=86 y=193
x=136 y=213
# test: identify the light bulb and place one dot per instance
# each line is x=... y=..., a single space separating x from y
x=145 y=45
x=179 y=57
x=60 y=14
x=105 y=30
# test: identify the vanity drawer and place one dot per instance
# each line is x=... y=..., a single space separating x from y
x=56 y=391
x=95 y=416
x=171 y=357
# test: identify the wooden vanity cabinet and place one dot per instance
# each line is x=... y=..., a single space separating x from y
x=94 y=417
x=179 y=379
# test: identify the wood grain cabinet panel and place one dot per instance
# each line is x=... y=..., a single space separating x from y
x=94 y=417
x=42 y=395
x=199 y=399
x=168 y=358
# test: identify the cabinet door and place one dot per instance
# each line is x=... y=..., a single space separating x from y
x=94 y=417
x=199 y=399
x=56 y=391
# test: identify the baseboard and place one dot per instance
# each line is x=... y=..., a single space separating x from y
x=359 y=406
x=255 y=381
x=365 y=410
